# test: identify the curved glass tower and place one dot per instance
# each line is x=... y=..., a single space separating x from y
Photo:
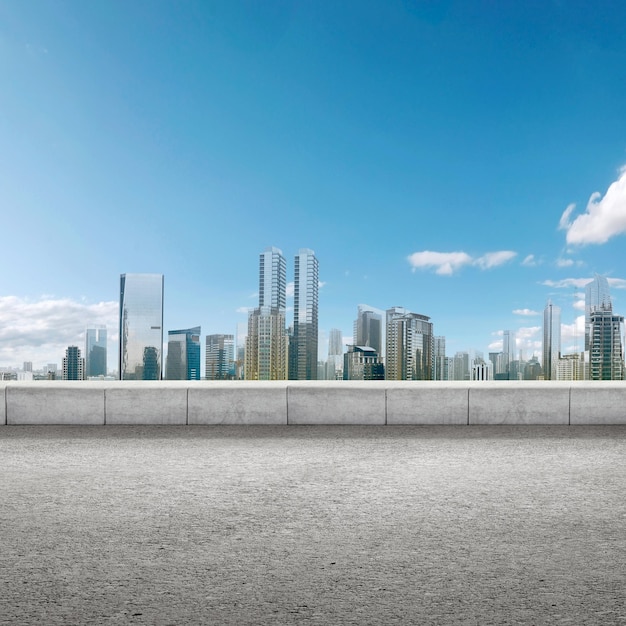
x=141 y=326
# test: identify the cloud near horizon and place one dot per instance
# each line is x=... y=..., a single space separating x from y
x=579 y=283
x=527 y=312
x=604 y=217
x=40 y=331
x=446 y=263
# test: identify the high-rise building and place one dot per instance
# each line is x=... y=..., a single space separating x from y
x=606 y=350
x=303 y=346
x=28 y=366
x=334 y=365
x=183 y=354
x=96 y=351
x=272 y=279
x=266 y=344
x=440 y=365
x=597 y=296
x=409 y=345
x=73 y=364
x=141 y=326
x=462 y=366
x=220 y=357
x=368 y=328
x=551 y=340
x=508 y=350
x=571 y=367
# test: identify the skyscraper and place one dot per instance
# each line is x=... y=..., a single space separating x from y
x=368 y=328
x=551 y=340
x=440 y=369
x=409 y=346
x=96 y=351
x=73 y=364
x=272 y=278
x=597 y=296
x=266 y=342
x=606 y=351
x=220 y=357
x=183 y=354
x=141 y=326
x=508 y=349
x=334 y=364
x=303 y=347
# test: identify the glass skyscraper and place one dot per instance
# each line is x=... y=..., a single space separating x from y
x=220 y=357
x=183 y=354
x=96 y=351
x=303 y=344
x=141 y=326
x=597 y=296
x=551 y=340
x=272 y=279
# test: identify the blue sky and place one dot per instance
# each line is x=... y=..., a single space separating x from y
x=430 y=154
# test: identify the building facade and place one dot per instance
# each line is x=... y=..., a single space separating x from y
x=266 y=345
x=368 y=328
x=551 y=340
x=362 y=363
x=73 y=364
x=606 y=350
x=597 y=296
x=409 y=346
x=96 y=352
x=183 y=354
x=141 y=326
x=220 y=357
x=303 y=345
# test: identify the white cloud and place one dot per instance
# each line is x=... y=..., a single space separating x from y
x=446 y=263
x=321 y=284
x=290 y=289
x=493 y=259
x=579 y=305
x=567 y=283
x=603 y=218
x=564 y=262
x=40 y=331
x=618 y=283
x=574 y=333
x=243 y=309
x=530 y=261
x=528 y=312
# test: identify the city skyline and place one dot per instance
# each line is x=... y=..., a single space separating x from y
x=465 y=162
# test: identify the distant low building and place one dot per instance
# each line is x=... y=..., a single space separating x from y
x=362 y=363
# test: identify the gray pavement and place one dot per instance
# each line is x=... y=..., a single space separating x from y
x=313 y=525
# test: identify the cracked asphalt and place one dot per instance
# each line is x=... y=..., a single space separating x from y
x=312 y=525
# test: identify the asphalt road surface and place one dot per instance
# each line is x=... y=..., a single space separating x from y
x=313 y=525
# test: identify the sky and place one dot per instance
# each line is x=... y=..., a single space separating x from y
x=464 y=160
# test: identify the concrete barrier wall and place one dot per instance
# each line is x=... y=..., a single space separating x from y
x=312 y=402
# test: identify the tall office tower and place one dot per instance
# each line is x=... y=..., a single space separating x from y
x=73 y=364
x=409 y=341
x=509 y=350
x=266 y=342
x=334 y=364
x=461 y=367
x=606 y=350
x=96 y=351
x=266 y=345
x=183 y=354
x=141 y=326
x=551 y=340
x=368 y=328
x=597 y=296
x=303 y=348
x=362 y=363
x=272 y=279
x=440 y=370
x=220 y=357
x=28 y=366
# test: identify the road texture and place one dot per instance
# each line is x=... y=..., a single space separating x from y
x=313 y=525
